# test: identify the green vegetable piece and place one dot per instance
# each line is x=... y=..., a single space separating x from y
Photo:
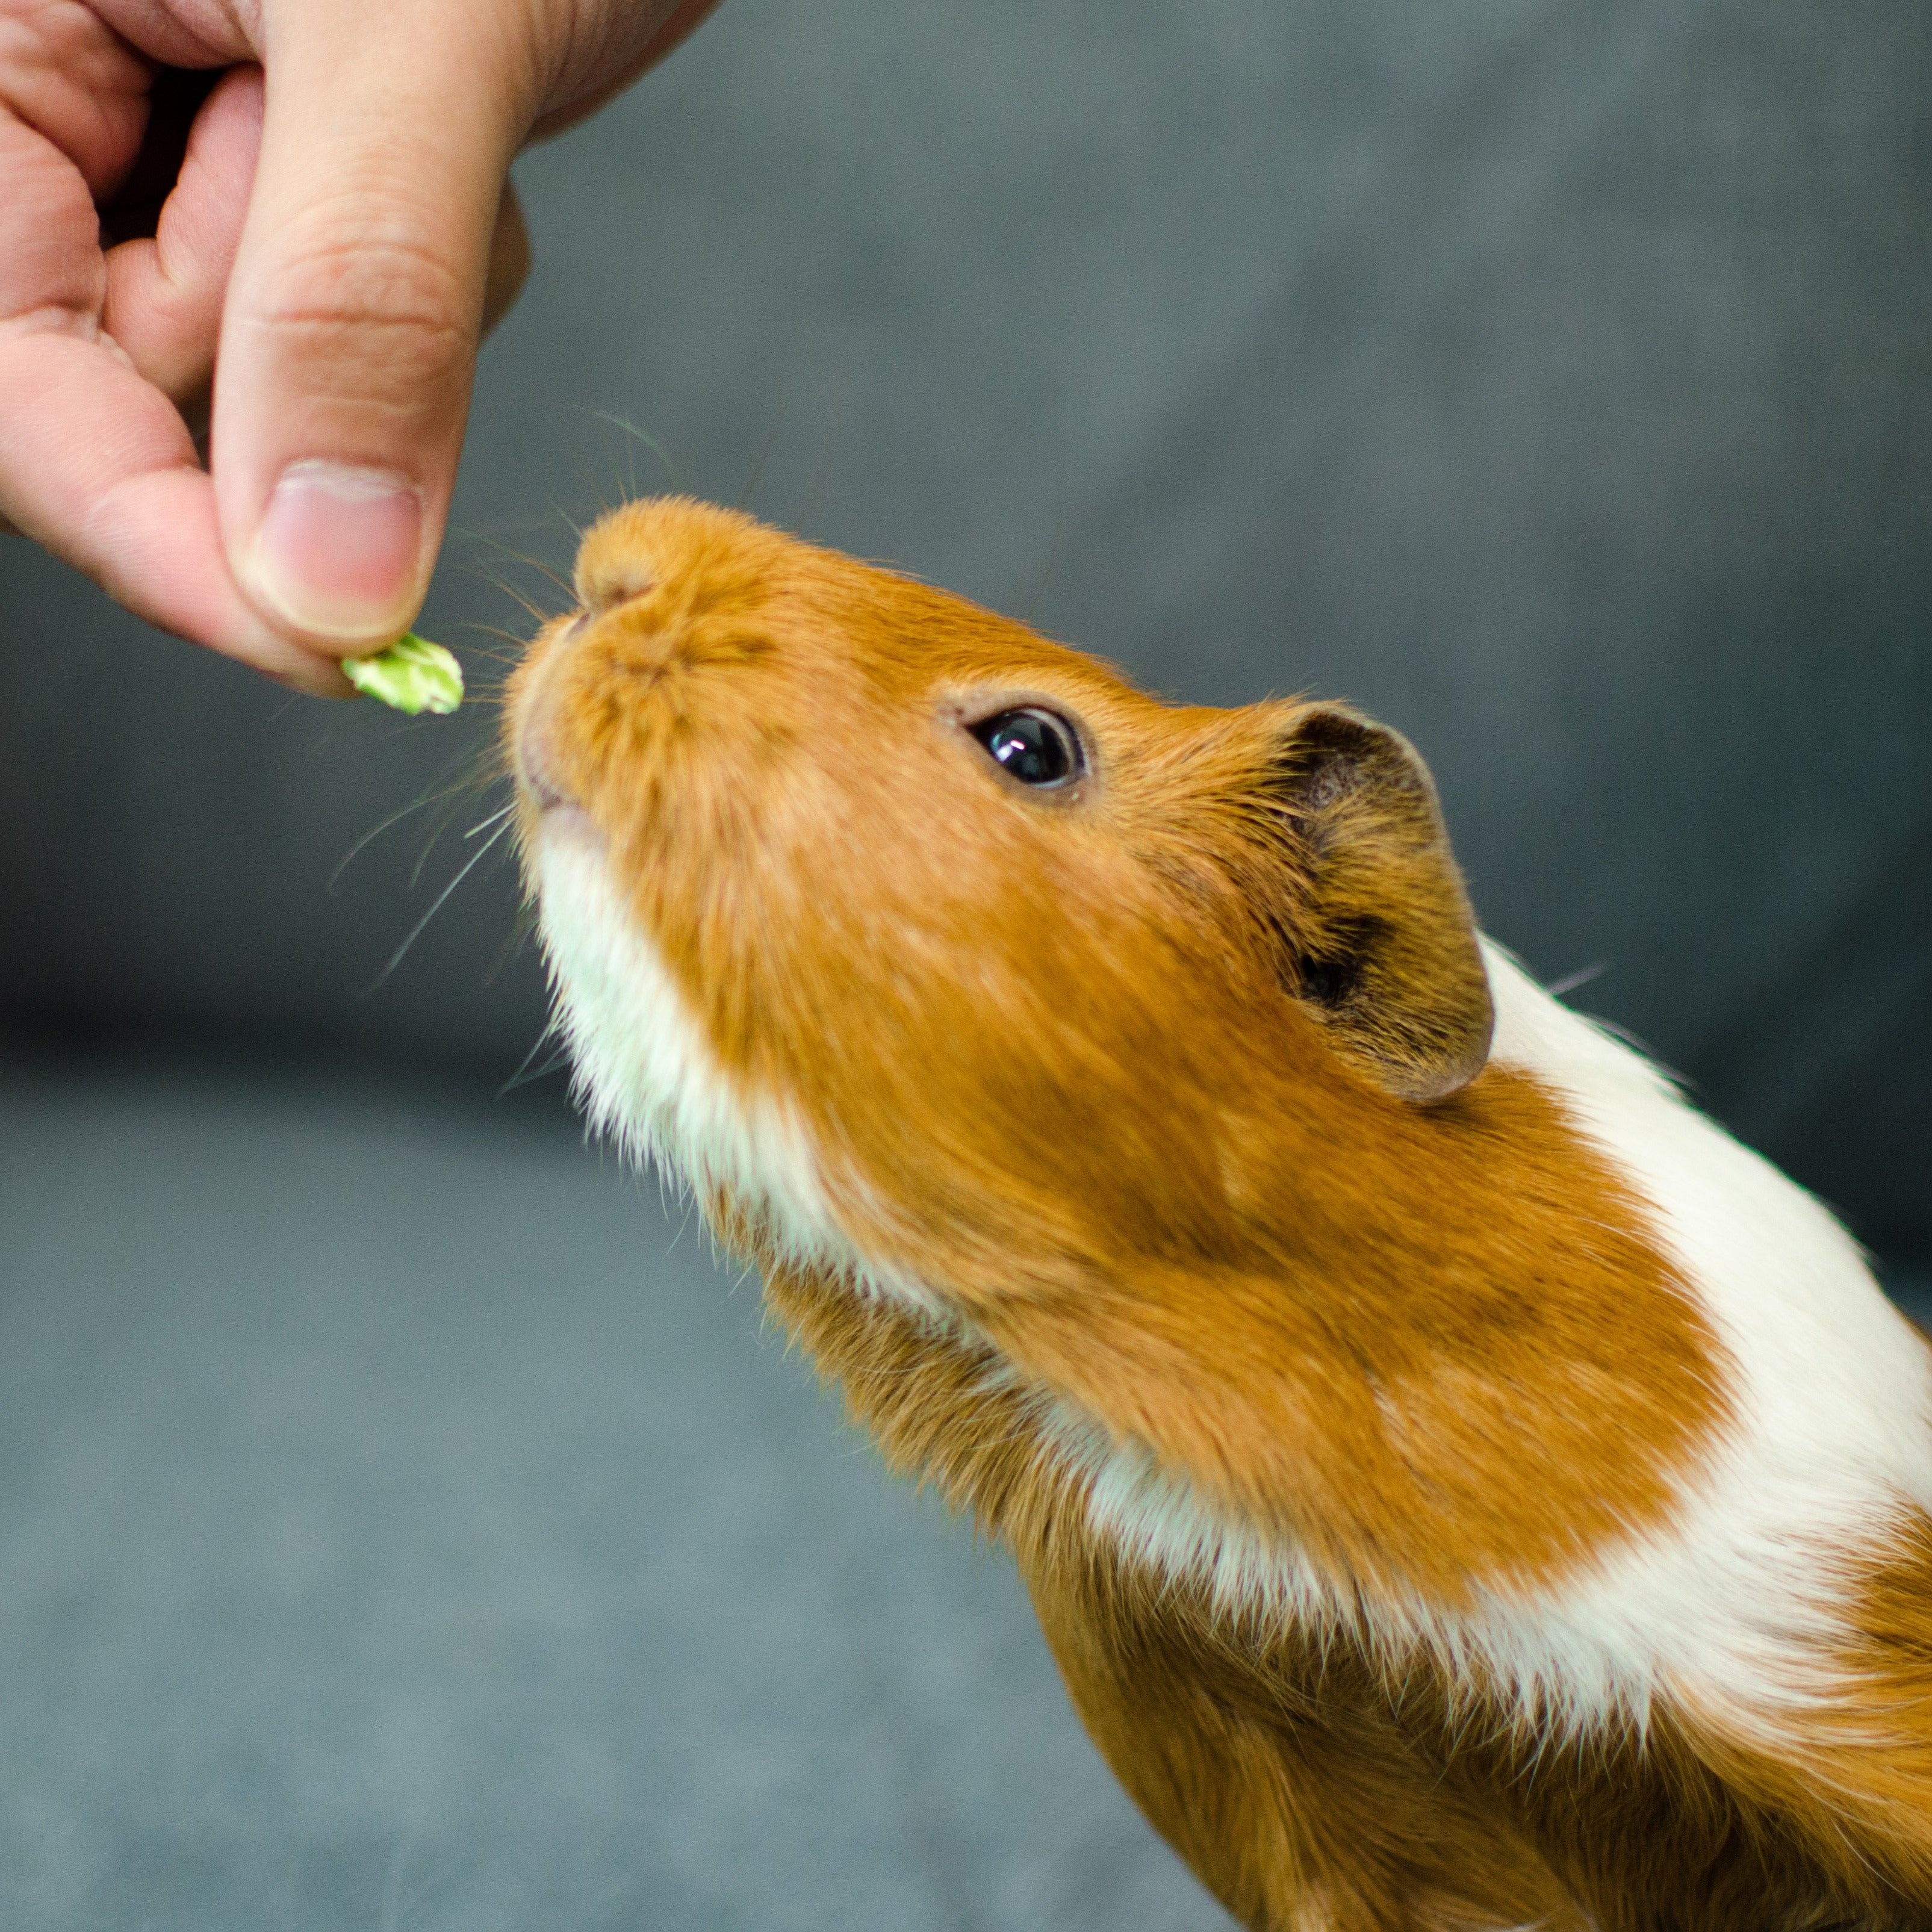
x=412 y=675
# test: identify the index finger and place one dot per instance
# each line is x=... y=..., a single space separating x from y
x=95 y=464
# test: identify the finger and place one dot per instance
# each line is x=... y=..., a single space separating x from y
x=165 y=291
x=93 y=463
x=175 y=95
x=66 y=77
x=509 y=260
x=101 y=470
x=349 y=336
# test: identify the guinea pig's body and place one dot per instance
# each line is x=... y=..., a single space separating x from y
x=1461 y=1486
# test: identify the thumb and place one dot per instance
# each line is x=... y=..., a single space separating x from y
x=350 y=334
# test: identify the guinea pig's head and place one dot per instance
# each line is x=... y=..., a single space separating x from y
x=927 y=948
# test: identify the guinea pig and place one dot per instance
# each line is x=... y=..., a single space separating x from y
x=1461 y=1486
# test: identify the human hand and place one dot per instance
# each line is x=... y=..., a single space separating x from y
x=334 y=237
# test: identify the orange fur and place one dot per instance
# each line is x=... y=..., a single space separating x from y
x=1079 y=1065
x=1315 y=1782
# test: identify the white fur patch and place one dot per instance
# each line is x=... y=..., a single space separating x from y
x=1733 y=1605
x=1833 y=1391
x=647 y=1077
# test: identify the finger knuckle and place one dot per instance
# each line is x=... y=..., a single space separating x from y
x=390 y=306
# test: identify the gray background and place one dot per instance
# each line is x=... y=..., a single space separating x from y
x=402 y=1529
x=1554 y=381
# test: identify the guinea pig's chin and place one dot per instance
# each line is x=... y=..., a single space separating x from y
x=558 y=819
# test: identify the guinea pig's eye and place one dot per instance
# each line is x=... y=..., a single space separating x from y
x=1033 y=746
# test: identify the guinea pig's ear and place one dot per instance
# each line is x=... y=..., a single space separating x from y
x=1361 y=902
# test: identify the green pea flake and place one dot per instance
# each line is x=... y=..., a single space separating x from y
x=412 y=675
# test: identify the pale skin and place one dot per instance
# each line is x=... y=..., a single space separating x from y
x=331 y=245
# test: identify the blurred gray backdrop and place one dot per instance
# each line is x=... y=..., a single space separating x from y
x=1554 y=381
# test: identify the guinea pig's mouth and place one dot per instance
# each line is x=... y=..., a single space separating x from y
x=557 y=811
x=536 y=779
x=544 y=794
x=535 y=768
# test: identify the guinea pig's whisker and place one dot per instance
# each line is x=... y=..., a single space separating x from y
x=522 y=556
x=821 y=479
x=527 y=1075
x=443 y=821
x=493 y=532
x=535 y=612
x=475 y=776
x=524 y=924
x=1561 y=988
x=485 y=756
x=376 y=830
x=672 y=474
x=495 y=817
x=442 y=899
x=498 y=580
x=787 y=396
x=548 y=572
x=517 y=642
